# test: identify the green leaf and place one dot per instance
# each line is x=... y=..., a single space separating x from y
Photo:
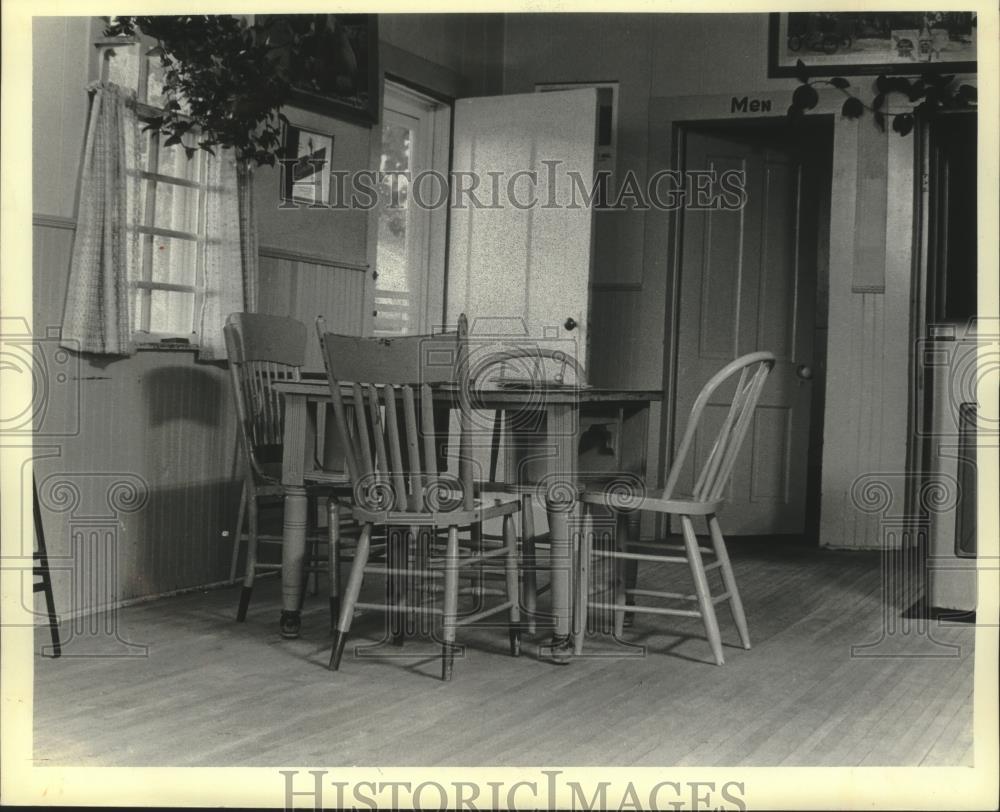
x=853 y=108
x=172 y=140
x=190 y=152
x=882 y=85
x=840 y=83
x=880 y=120
x=878 y=102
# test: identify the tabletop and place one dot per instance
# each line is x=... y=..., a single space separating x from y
x=553 y=393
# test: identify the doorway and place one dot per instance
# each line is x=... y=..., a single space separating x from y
x=755 y=277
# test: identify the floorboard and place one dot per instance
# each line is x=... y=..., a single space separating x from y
x=211 y=692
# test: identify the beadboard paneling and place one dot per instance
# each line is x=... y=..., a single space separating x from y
x=140 y=485
x=304 y=290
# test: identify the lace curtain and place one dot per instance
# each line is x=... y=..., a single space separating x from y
x=97 y=317
x=100 y=300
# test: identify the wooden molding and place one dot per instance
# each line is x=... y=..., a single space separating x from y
x=313 y=259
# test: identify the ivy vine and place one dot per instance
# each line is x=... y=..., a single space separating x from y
x=928 y=93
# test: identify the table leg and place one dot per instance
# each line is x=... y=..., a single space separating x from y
x=561 y=504
x=299 y=431
x=293 y=551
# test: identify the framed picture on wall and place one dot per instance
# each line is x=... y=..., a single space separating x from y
x=307 y=180
x=334 y=65
x=882 y=42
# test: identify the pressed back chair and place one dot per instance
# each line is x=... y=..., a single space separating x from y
x=393 y=439
x=530 y=367
x=264 y=350
x=705 y=500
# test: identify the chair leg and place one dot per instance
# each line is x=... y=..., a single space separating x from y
x=240 y=514
x=397 y=553
x=354 y=582
x=631 y=565
x=513 y=585
x=621 y=578
x=333 y=559
x=729 y=579
x=251 y=570
x=530 y=561
x=450 y=604
x=705 y=604
x=583 y=581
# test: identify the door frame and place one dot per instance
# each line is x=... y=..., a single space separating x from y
x=669 y=119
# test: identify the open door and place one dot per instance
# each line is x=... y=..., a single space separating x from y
x=519 y=249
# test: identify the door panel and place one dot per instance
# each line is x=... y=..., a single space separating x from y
x=515 y=269
x=748 y=283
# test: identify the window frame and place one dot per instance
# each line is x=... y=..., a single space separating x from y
x=146 y=227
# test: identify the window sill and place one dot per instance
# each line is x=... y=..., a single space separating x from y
x=164 y=344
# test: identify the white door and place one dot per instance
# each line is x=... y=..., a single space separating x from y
x=519 y=249
x=747 y=283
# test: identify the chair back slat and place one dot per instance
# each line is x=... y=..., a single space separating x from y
x=361 y=426
x=413 y=449
x=713 y=477
x=394 y=442
x=428 y=432
x=378 y=430
x=262 y=350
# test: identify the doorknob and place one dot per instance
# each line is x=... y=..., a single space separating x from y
x=804 y=371
x=570 y=323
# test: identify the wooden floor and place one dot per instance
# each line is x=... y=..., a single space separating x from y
x=212 y=692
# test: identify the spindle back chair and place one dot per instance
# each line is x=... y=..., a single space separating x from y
x=706 y=498
x=394 y=438
x=264 y=350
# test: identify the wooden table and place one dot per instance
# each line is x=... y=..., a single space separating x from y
x=565 y=410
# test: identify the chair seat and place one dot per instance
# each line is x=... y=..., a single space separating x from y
x=682 y=506
x=449 y=518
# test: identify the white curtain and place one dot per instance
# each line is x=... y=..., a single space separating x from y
x=97 y=317
x=100 y=301
x=223 y=261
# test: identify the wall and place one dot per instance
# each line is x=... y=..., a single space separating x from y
x=136 y=457
x=688 y=66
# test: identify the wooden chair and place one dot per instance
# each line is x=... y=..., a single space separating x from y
x=262 y=351
x=393 y=440
x=707 y=497
x=522 y=365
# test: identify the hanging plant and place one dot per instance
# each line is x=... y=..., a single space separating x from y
x=928 y=93
x=225 y=79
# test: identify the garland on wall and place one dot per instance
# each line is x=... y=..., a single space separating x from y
x=928 y=94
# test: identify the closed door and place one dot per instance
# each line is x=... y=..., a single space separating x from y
x=520 y=250
x=748 y=282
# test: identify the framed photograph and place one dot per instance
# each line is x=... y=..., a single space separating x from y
x=334 y=66
x=845 y=43
x=308 y=179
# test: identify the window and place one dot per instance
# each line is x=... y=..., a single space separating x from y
x=412 y=215
x=170 y=212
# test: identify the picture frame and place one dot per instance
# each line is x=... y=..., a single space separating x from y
x=853 y=43
x=308 y=179
x=338 y=75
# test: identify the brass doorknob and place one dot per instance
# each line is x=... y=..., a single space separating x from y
x=804 y=371
x=570 y=323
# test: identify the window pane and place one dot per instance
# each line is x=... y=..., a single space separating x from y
x=392 y=290
x=174 y=260
x=171 y=312
x=174 y=161
x=176 y=206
